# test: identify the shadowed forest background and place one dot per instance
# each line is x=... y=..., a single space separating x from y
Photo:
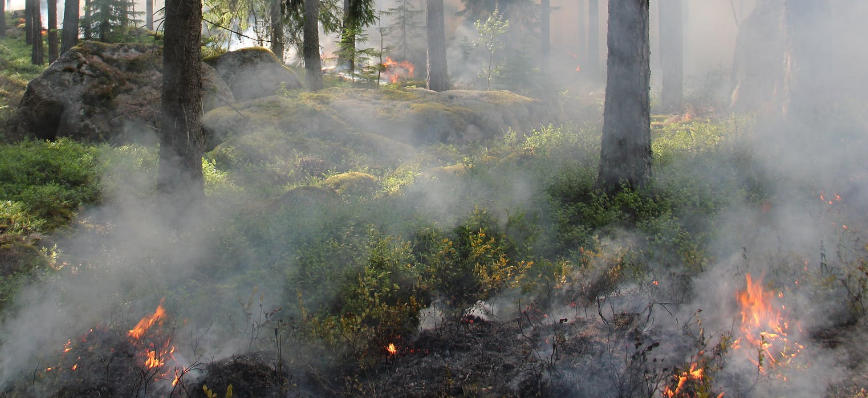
x=426 y=198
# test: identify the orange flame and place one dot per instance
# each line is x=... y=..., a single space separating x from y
x=694 y=374
x=764 y=328
x=148 y=321
x=392 y=349
x=396 y=70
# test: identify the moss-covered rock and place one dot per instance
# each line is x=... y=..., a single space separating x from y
x=103 y=92
x=410 y=116
x=253 y=72
x=353 y=184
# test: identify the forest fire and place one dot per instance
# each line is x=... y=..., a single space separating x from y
x=392 y=349
x=395 y=70
x=148 y=321
x=764 y=329
x=694 y=374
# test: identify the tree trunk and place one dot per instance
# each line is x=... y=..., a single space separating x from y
x=277 y=38
x=87 y=25
x=312 y=60
x=348 y=42
x=36 y=54
x=3 y=19
x=438 y=80
x=104 y=24
x=70 y=25
x=582 y=25
x=593 y=39
x=149 y=14
x=810 y=55
x=181 y=138
x=625 y=153
x=28 y=22
x=545 y=18
x=53 y=48
x=671 y=55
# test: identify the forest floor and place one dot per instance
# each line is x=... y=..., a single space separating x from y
x=324 y=268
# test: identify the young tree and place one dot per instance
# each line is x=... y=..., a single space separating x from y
x=625 y=153
x=181 y=138
x=312 y=60
x=88 y=34
x=407 y=24
x=357 y=15
x=490 y=34
x=36 y=54
x=70 y=25
x=593 y=62
x=53 y=48
x=438 y=79
x=671 y=54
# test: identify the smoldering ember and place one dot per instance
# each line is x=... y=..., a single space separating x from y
x=430 y=198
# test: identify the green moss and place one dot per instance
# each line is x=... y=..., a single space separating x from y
x=352 y=184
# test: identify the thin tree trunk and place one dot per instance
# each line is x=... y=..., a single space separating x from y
x=2 y=18
x=348 y=42
x=277 y=39
x=582 y=25
x=545 y=17
x=594 y=39
x=312 y=60
x=70 y=25
x=87 y=26
x=28 y=22
x=53 y=48
x=181 y=138
x=671 y=55
x=104 y=24
x=438 y=79
x=625 y=153
x=36 y=55
x=149 y=14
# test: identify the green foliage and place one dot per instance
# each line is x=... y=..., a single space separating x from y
x=111 y=20
x=51 y=179
x=491 y=37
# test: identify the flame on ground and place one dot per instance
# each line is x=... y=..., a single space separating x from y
x=694 y=374
x=148 y=321
x=391 y=349
x=395 y=70
x=764 y=328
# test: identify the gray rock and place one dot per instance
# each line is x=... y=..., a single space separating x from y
x=99 y=92
x=253 y=72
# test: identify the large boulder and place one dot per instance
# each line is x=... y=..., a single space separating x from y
x=253 y=72
x=104 y=92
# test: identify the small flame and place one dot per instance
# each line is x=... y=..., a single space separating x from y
x=764 y=328
x=695 y=373
x=396 y=70
x=392 y=349
x=148 y=321
x=74 y=367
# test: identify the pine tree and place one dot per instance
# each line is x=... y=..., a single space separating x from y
x=110 y=18
x=407 y=25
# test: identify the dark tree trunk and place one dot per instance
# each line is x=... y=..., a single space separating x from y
x=545 y=27
x=2 y=18
x=438 y=79
x=277 y=38
x=672 y=55
x=810 y=55
x=625 y=155
x=70 y=25
x=87 y=27
x=28 y=22
x=758 y=78
x=149 y=14
x=104 y=24
x=312 y=60
x=36 y=55
x=593 y=39
x=181 y=138
x=53 y=48
x=348 y=41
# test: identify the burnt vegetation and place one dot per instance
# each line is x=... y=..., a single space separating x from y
x=370 y=237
